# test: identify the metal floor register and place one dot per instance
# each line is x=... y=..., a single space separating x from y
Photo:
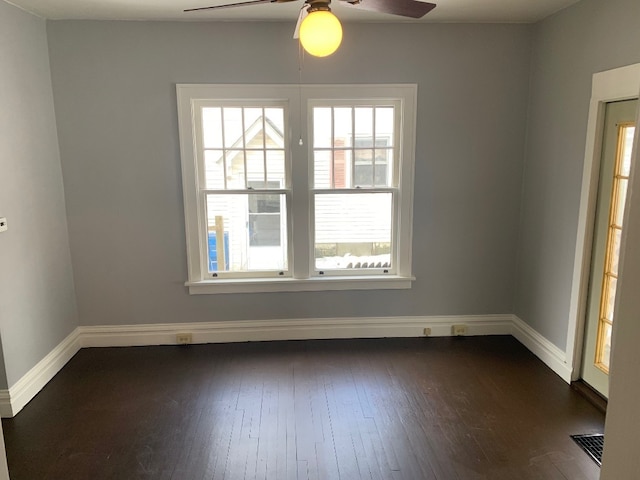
x=592 y=444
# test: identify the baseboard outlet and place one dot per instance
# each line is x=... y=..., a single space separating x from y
x=16 y=397
x=550 y=354
x=22 y=392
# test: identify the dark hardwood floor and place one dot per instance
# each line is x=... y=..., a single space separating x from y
x=436 y=408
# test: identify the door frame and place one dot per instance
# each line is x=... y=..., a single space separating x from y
x=608 y=86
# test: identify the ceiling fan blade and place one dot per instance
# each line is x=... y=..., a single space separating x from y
x=239 y=4
x=303 y=14
x=404 y=8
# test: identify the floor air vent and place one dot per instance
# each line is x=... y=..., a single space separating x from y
x=592 y=444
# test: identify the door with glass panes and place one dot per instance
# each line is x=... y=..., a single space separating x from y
x=609 y=223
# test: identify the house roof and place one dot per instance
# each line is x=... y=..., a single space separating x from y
x=271 y=131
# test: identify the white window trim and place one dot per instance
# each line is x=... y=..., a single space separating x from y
x=298 y=201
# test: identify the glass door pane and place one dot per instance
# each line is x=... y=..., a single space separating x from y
x=616 y=213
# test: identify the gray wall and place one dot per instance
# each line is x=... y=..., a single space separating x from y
x=37 y=300
x=114 y=89
x=568 y=49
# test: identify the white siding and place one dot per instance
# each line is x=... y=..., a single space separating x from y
x=337 y=222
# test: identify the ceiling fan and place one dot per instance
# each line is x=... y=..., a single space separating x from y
x=320 y=31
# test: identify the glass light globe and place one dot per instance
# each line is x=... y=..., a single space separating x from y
x=321 y=33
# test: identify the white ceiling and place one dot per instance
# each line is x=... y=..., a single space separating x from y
x=447 y=11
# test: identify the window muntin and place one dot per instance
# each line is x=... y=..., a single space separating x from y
x=353 y=145
x=243 y=145
x=215 y=165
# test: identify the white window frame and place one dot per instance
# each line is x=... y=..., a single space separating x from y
x=299 y=194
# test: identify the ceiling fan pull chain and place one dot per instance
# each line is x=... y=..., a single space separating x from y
x=300 y=59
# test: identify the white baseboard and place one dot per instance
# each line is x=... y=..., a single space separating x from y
x=295 y=329
x=550 y=354
x=5 y=404
x=17 y=396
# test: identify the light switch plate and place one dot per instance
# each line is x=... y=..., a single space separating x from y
x=3 y=224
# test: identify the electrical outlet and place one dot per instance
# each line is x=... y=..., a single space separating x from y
x=427 y=332
x=184 y=338
x=3 y=224
x=459 y=330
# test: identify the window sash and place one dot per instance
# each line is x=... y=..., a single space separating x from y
x=243 y=148
x=393 y=240
x=285 y=239
x=394 y=146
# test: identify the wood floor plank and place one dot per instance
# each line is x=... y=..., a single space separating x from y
x=481 y=408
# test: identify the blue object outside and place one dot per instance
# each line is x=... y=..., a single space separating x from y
x=213 y=251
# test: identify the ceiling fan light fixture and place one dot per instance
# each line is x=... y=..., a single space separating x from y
x=320 y=33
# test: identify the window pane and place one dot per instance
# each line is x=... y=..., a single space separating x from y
x=322 y=169
x=341 y=168
x=363 y=169
x=264 y=230
x=253 y=229
x=364 y=126
x=255 y=168
x=605 y=353
x=274 y=118
x=264 y=203
x=233 y=127
x=212 y=127
x=620 y=199
x=382 y=162
x=253 y=127
x=322 y=127
x=235 y=169
x=363 y=176
x=611 y=284
x=363 y=156
x=628 y=148
x=384 y=125
x=353 y=230
x=614 y=254
x=275 y=169
x=343 y=126
x=615 y=237
x=214 y=169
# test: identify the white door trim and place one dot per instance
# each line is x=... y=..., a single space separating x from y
x=609 y=86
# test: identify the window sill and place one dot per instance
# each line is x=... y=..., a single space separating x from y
x=207 y=287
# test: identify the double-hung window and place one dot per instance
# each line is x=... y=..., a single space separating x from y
x=297 y=187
